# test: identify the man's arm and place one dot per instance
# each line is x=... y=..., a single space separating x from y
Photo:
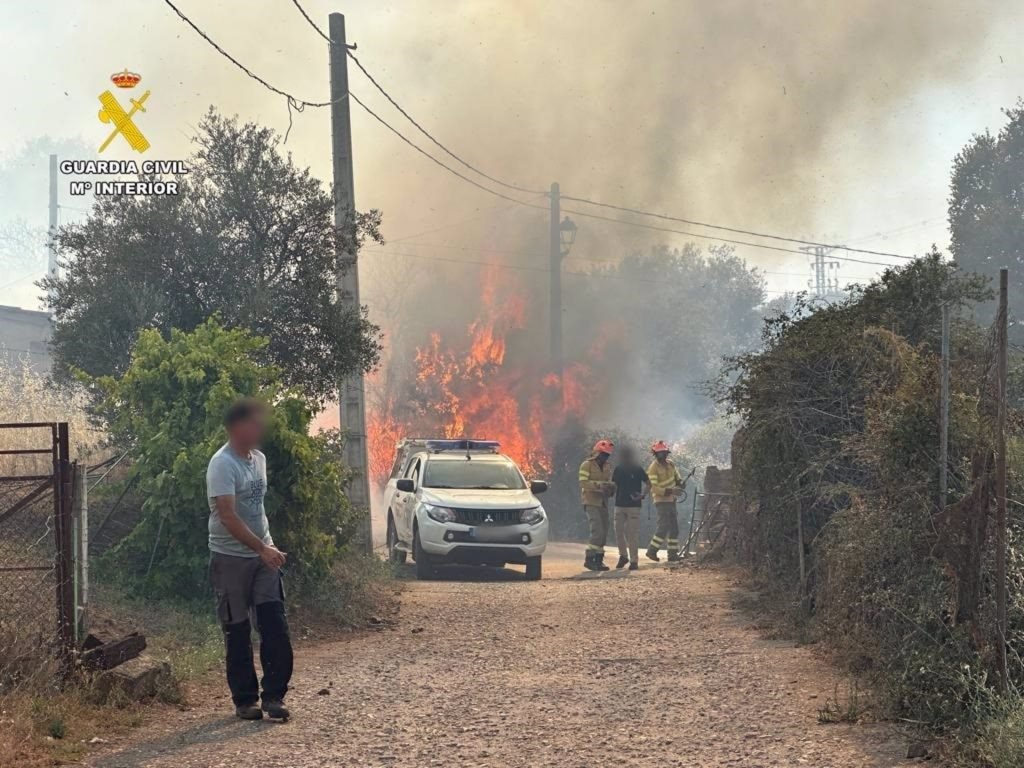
x=234 y=525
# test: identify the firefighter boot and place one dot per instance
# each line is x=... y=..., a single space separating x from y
x=623 y=562
x=599 y=562
x=652 y=554
x=590 y=561
x=673 y=556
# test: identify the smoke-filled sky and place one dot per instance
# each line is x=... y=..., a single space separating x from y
x=834 y=121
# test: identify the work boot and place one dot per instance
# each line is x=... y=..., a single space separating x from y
x=248 y=712
x=590 y=562
x=623 y=562
x=652 y=554
x=634 y=566
x=673 y=556
x=275 y=709
x=599 y=562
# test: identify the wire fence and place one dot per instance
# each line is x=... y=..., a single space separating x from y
x=37 y=562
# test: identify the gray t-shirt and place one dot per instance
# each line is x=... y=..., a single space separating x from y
x=246 y=479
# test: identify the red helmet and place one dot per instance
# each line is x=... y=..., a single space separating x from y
x=604 y=446
x=659 y=447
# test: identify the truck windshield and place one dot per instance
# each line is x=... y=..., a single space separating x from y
x=467 y=474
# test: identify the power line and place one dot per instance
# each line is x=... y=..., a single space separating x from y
x=300 y=104
x=312 y=23
x=736 y=230
x=623 y=209
x=585 y=214
x=409 y=117
x=713 y=237
x=437 y=143
x=434 y=160
x=293 y=101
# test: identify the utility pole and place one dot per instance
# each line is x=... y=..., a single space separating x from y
x=944 y=411
x=351 y=394
x=51 y=262
x=556 y=279
x=1001 y=522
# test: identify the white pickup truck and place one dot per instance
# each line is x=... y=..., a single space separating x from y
x=461 y=501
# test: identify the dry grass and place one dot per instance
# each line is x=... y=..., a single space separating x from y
x=28 y=396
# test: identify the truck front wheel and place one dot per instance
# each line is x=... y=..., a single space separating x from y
x=533 y=568
x=424 y=568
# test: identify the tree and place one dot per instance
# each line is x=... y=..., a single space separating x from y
x=250 y=236
x=167 y=407
x=986 y=204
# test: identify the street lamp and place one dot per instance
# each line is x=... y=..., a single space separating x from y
x=567 y=234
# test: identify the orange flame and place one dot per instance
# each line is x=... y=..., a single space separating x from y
x=468 y=387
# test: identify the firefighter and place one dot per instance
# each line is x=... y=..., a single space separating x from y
x=596 y=488
x=666 y=485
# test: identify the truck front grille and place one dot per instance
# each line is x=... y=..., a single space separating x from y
x=488 y=516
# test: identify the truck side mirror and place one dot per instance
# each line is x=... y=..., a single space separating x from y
x=538 y=486
x=405 y=485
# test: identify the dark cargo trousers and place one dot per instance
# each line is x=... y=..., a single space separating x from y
x=244 y=586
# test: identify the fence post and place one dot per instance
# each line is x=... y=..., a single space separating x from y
x=62 y=490
x=81 y=551
x=1001 y=520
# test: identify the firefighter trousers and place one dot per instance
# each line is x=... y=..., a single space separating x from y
x=666 y=536
x=627 y=531
x=597 y=516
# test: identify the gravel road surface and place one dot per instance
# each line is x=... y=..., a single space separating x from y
x=482 y=668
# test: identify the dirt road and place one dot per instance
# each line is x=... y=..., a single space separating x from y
x=486 y=669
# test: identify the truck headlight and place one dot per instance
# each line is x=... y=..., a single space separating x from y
x=440 y=514
x=532 y=515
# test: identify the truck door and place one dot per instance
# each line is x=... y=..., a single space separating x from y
x=406 y=502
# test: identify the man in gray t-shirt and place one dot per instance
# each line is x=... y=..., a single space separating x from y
x=246 y=479
x=245 y=566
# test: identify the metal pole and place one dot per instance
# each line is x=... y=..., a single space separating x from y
x=81 y=516
x=944 y=411
x=556 y=279
x=693 y=518
x=65 y=559
x=51 y=263
x=351 y=393
x=1001 y=522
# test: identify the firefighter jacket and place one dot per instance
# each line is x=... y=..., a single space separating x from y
x=665 y=479
x=595 y=483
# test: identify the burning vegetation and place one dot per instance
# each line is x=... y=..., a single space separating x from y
x=486 y=382
x=479 y=366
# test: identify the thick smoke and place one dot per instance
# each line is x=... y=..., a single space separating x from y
x=751 y=114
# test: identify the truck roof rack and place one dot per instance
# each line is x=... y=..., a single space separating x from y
x=437 y=446
x=409 y=445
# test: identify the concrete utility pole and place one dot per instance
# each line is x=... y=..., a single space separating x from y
x=51 y=262
x=944 y=411
x=1001 y=521
x=351 y=394
x=556 y=279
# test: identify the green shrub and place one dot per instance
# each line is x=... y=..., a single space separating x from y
x=168 y=407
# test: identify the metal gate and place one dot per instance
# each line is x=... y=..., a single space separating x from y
x=37 y=592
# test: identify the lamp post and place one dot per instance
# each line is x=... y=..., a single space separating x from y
x=563 y=235
x=567 y=235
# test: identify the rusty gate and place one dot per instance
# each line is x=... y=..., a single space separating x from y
x=37 y=579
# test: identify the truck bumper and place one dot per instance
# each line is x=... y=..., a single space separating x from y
x=457 y=543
